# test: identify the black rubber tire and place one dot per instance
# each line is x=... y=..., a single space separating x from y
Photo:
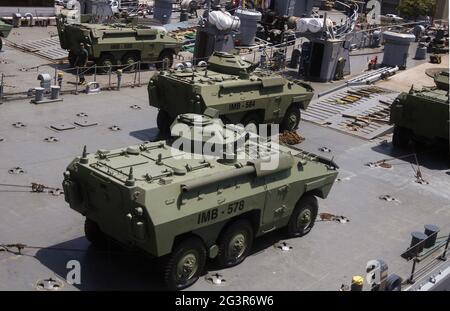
x=164 y=121
x=241 y=227
x=94 y=234
x=196 y=247
x=72 y=58
x=307 y=202
x=287 y=124
x=252 y=118
x=166 y=55
x=1 y=44
x=104 y=61
x=393 y=283
x=401 y=137
x=130 y=58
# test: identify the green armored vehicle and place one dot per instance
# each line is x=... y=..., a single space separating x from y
x=5 y=29
x=422 y=115
x=171 y=198
x=116 y=44
x=232 y=86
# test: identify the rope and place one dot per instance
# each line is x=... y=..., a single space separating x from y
x=35 y=187
x=21 y=246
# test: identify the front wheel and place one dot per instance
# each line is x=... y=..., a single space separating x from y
x=165 y=60
x=303 y=217
x=291 y=119
x=251 y=121
x=130 y=61
x=235 y=243
x=185 y=264
x=106 y=62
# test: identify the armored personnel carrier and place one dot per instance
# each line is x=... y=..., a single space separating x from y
x=171 y=198
x=422 y=115
x=232 y=86
x=116 y=44
x=5 y=29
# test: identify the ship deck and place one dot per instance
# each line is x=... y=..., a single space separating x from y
x=323 y=260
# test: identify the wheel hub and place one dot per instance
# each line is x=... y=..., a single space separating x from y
x=237 y=245
x=187 y=266
x=292 y=120
x=304 y=219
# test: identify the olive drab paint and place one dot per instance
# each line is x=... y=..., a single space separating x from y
x=119 y=43
x=176 y=194
x=233 y=86
x=422 y=114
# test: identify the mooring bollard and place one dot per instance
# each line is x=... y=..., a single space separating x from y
x=357 y=283
x=119 y=78
x=54 y=92
x=39 y=94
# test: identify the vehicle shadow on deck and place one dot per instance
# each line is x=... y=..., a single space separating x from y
x=149 y=134
x=433 y=157
x=117 y=268
x=114 y=268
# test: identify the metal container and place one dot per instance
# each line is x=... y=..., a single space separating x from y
x=249 y=20
x=184 y=16
x=163 y=10
x=396 y=48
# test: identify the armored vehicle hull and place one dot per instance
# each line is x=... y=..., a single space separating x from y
x=422 y=115
x=5 y=29
x=158 y=198
x=110 y=45
x=229 y=85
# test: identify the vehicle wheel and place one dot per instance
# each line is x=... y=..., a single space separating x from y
x=105 y=62
x=185 y=264
x=252 y=120
x=129 y=61
x=225 y=119
x=165 y=60
x=303 y=217
x=1 y=43
x=401 y=137
x=72 y=58
x=235 y=243
x=291 y=119
x=164 y=121
x=94 y=234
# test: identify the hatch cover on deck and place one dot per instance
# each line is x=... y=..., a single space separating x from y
x=85 y=123
x=48 y=48
x=62 y=126
x=360 y=111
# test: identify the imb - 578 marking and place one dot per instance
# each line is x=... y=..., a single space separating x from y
x=213 y=213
